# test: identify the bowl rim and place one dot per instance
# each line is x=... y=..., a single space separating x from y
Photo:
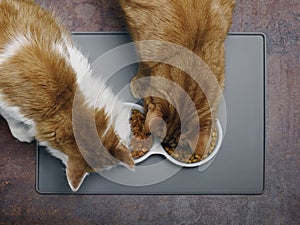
x=208 y=159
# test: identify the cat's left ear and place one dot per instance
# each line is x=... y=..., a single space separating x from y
x=76 y=172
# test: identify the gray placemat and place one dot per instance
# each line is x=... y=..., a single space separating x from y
x=239 y=166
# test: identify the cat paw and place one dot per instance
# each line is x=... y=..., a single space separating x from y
x=22 y=137
x=21 y=133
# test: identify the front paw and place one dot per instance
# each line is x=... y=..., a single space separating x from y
x=22 y=133
x=138 y=85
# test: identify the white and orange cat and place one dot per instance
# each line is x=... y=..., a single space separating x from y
x=40 y=71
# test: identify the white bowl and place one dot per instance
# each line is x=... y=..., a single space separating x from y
x=157 y=149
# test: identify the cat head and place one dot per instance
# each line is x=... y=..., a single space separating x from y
x=181 y=116
x=77 y=167
x=186 y=131
x=76 y=138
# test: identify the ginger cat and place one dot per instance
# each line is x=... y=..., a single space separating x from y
x=40 y=71
x=200 y=26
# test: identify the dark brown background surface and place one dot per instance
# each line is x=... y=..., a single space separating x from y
x=280 y=204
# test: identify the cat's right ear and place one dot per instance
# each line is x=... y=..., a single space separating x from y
x=76 y=172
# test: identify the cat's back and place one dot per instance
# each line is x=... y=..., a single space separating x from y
x=34 y=70
x=183 y=22
x=27 y=19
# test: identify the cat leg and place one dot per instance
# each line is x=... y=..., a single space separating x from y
x=21 y=127
x=21 y=131
x=139 y=85
x=212 y=52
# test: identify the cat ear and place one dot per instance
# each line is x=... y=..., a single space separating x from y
x=123 y=154
x=75 y=172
